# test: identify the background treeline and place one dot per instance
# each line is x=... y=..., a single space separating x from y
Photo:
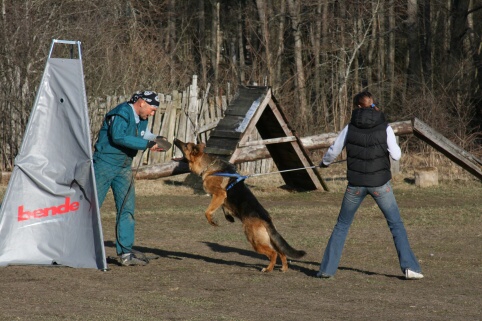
x=419 y=57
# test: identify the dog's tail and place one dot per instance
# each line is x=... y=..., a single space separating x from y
x=281 y=243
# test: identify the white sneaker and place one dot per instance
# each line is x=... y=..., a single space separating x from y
x=411 y=275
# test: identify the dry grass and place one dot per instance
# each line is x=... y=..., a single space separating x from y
x=207 y=273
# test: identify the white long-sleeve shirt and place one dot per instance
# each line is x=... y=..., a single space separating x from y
x=336 y=148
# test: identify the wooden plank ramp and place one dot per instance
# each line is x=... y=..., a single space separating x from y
x=459 y=156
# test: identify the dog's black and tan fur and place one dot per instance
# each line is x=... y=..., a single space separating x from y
x=240 y=201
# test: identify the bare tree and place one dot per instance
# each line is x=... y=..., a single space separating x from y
x=414 y=63
x=265 y=37
x=391 y=49
x=276 y=82
x=294 y=9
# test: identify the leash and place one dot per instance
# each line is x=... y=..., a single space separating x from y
x=122 y=208
x=141 y=256
x=240 y=177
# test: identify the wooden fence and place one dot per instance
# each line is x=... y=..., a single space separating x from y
x=188 y=115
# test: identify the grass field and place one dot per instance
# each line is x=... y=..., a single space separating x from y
x=207 y=273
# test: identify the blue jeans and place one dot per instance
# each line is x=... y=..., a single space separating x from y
x=119 y=179
x=383 y=196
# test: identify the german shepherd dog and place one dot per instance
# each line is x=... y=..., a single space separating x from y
x=240 y=202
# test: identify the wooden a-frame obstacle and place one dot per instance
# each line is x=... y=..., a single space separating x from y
x=459 y=156
x=256 y=108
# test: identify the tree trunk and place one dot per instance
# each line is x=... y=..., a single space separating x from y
x=380 y=35
x=294 y=10
x=342 y=70
x=279 y=60
x=459 y=28
x=241 y=47
x=261 y=6
x=324 y=61
x=216 y=51
x=317 y=59
x=172 y=40
x=391 y=49
x=427 y=45
x=201 y=39
x=475 y=44
x=414 y=63
x=371 y=51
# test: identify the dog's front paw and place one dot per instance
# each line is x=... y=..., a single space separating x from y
x=210 y=219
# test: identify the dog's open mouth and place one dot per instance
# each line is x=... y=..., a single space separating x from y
x=178 y=143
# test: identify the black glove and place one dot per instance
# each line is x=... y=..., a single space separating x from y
x=161 y=142
x=150 y=144
x=322 y=165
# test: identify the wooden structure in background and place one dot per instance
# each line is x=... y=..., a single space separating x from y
x=255 y=108
x=191 y=117
x=459 y=156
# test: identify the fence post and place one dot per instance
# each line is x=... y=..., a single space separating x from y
x=395 y=165
x=156 y=157
x=179 y=127
x=192 y=111
x=169 y=124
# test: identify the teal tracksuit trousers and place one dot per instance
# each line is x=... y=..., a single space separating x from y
x=120 y=180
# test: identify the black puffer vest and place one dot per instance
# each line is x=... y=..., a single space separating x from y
x=367 y=150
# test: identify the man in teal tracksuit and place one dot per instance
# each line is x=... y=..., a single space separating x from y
x=124 y=132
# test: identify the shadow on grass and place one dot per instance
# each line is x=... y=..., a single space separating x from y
x=177 y=255
x=295 y=265
x=291 y=263
x=370 y=273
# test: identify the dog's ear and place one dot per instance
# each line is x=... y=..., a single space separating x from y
x=201 y=147
x=198 y=149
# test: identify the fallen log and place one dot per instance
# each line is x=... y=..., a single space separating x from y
x=165 y=169
x=257 y=152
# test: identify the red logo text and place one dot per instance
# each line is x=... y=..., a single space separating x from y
x=24 y=215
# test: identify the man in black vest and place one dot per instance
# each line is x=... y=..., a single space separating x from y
x=369 y=142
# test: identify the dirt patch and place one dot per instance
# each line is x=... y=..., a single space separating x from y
x=207 y=273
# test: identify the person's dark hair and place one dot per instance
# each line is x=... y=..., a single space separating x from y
x=360 y=96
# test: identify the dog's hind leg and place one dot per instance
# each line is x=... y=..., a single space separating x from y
x=271 y=254
x=284 y=262
x=258 y=236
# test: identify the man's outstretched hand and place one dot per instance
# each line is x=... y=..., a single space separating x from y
x=159 y=144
